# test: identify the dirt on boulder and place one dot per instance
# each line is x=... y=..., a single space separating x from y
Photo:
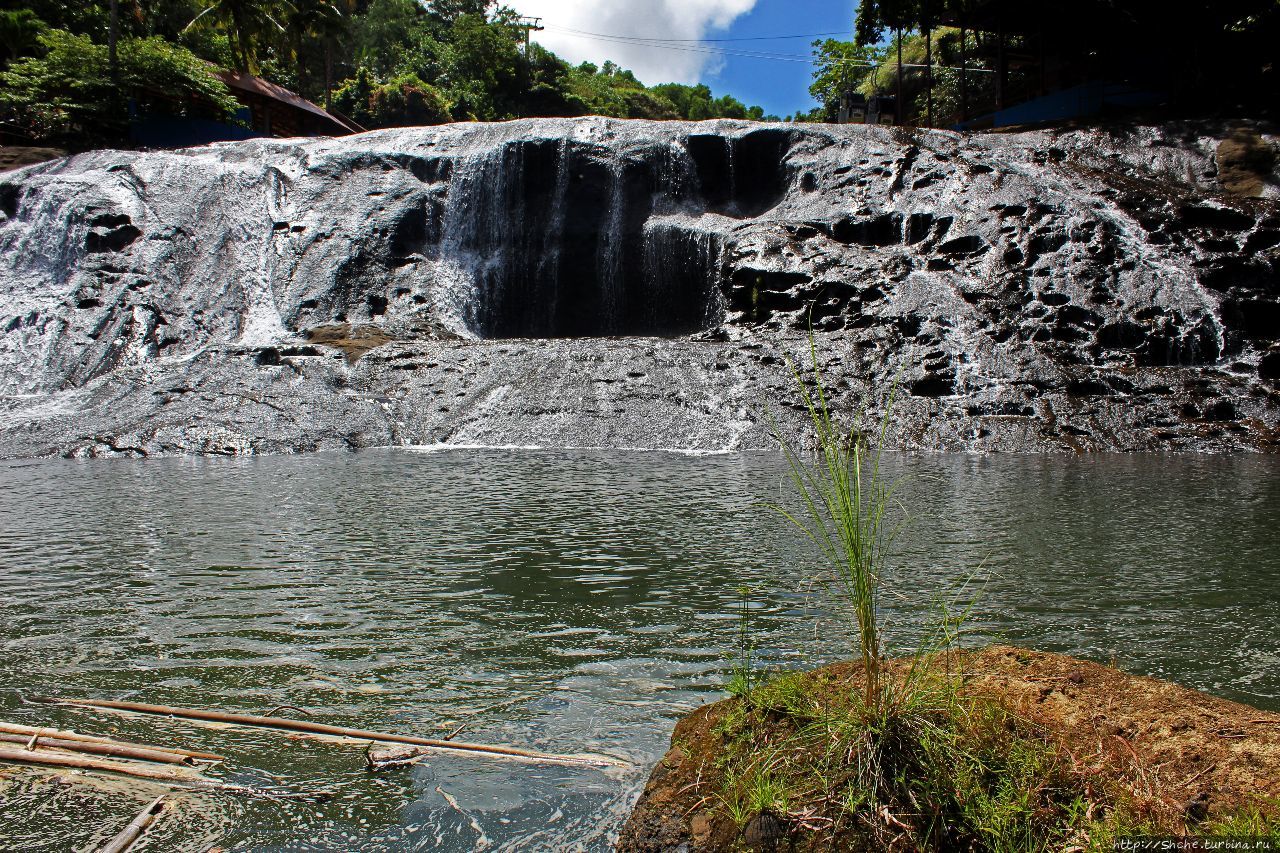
x=352 y=340
x=1246 y=162
x=1188 y=756
x=17 y=156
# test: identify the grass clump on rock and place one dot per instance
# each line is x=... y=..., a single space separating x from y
x=947 y=772
x=1006 y=750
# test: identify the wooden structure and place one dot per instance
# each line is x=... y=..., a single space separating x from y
x=275 y=111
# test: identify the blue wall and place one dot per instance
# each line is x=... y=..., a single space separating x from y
x=179 y=132
x=1087 y=99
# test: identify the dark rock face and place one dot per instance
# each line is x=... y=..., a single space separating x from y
x=595 y=282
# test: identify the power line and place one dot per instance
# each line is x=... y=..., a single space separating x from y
x=719 y=51
x=683 y=46
x=743 y=38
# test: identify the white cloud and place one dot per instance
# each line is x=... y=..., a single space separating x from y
x=656 y=19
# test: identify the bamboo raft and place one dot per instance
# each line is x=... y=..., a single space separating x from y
x=180 y=767
x=308 y=727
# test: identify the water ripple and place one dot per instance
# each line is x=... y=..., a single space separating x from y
x=590 y=596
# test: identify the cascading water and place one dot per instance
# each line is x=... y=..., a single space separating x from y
x=680 y=254
x=310 y=294
x=553 y=238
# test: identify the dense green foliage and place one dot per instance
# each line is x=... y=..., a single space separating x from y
x=382 y=62
x=67 y=94
x=946 y=75
x=955 y=772
x=404 y=101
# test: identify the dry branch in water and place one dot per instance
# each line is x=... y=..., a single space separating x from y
x=127 y=837
x=62 y=734
x=84 y=762
x=92 y=748
x=510 y=752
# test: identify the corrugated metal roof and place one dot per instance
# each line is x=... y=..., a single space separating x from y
x=267 y=89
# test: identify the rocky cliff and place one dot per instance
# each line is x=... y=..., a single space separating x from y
x=595 y=282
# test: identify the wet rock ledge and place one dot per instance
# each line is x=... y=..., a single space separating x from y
x=1143 y=756
x=627 y=284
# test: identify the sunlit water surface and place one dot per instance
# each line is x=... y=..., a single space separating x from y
x=590 y=596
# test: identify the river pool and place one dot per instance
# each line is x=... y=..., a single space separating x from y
x=591 y=596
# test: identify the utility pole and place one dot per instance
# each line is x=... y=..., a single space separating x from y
x=529 y=25
x=900 y=108
x=112 y=62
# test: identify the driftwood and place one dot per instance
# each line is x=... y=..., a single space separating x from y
x=112 y=749
x=129 y=836
x=482 y=842
x=141 y=771
x=18 y=728
x=84 y=762
x=339 y=731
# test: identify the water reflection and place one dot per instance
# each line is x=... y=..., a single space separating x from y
x=404 y=590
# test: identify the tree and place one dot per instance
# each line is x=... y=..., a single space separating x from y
x=384 y=34
x=641 y=103
x=696 y=103
x=840 y=68
x=451 y=10
x=947 y=92
x=399 y=61
x=310 y=20
x=65 y=97
x=20 y=32
x=407 y=101
x=482 y=66
x=352 y=97
x=247 y=22
x=549 y=91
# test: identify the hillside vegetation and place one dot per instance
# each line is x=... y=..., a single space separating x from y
x=383 y=63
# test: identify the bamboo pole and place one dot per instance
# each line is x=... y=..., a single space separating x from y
x=111 y=749
x=42 y=758
x=127 y=837
x=84 y=762
x=338 y=731
x=19 y=728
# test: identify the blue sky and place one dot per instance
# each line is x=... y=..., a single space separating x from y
x=629 y=32
x=780 y=87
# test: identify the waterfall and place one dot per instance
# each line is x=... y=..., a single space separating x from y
x=561 y=238
x=554 y=238
x=682 y=257
x=609 y=270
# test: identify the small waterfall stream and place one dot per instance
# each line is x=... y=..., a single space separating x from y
x=556 y=238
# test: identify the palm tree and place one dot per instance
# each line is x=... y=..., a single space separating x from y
x=245 y=21
x=315 y=19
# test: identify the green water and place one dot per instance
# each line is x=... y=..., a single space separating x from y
x=592 y=591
